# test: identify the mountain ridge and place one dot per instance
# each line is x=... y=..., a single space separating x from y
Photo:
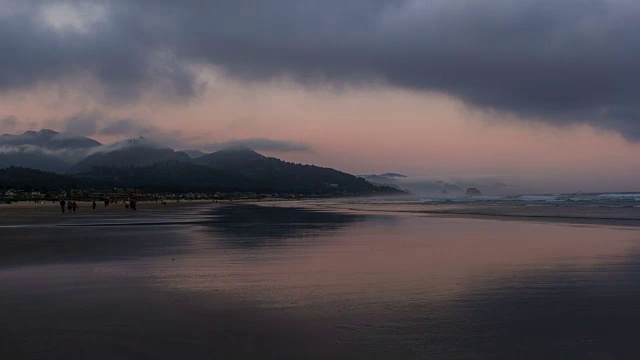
x=140 y=163
x=132 y=156
x=49 y=139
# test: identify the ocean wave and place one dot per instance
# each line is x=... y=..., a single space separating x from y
x=629 y=196
x=569 y=199
x=541 y=198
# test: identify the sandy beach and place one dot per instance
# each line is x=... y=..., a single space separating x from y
x=46 y=212
x=30 y=212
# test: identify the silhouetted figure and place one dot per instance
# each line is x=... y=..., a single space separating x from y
x=62 y=204
x=94 y=204
x=69 y=205
x=106 y=202
x=75 y=206
x=126 y=204
x=134 y=204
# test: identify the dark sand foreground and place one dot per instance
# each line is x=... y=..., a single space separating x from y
x=307 y=280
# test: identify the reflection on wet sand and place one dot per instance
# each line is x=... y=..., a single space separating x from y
x=260 y=282
x=258 y=226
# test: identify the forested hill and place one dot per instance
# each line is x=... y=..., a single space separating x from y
x=141 y=164
x=275 y=175
x=29 y=179
x=176 y=176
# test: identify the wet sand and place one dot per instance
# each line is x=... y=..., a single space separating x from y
x=202 y=280
x=46 y=212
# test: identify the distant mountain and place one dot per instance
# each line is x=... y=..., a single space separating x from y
x=239 y=159
x=415 y=185
x=139 y=163
x=171 y=176
x=130 y=156
x=30 y=179
x=48 y=139
x=33 y=159
x=46 y=150
x=274 y=175
x=380 y=180
x=393 y=175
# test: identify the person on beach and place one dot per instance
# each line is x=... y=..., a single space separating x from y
x=106 y=202
x=69 y=205
x=62 y=204
x=75 y=206
x=134 y=204
x=126 y=204
x=94 y=204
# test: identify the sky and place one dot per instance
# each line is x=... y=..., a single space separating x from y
x=541 y=94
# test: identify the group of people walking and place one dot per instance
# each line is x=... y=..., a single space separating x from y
x=70 y=205
x=73 y=206
x=131 y=204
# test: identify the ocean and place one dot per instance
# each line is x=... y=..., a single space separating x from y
x=608 y=200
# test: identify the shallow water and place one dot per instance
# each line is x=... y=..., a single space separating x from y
x=599 y=200
x=260 y=282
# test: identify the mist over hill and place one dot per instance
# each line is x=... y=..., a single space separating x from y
x=134 y=155
x=46 y=150
x=48 y=139
x=445 y=187
x=141 y=163
x=194 y=153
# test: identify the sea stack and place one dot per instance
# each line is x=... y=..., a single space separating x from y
x=473 y=192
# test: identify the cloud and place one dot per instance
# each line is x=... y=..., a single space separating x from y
x=260 y=144
x=64 y=153
x=9 y=123
x=126 y=127
x=84 y=123
x=92 y=123
x=45 y=41
x=555 y=61
x=135 y=128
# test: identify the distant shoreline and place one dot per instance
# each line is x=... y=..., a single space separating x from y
x=47 y=212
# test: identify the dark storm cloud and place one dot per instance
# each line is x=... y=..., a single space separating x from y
x=558 y=61
x=260 y=144
x=114 y=50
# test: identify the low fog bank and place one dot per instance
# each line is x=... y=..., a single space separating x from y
x=456 y=186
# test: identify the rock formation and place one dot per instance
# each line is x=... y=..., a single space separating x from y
x=473 y=192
